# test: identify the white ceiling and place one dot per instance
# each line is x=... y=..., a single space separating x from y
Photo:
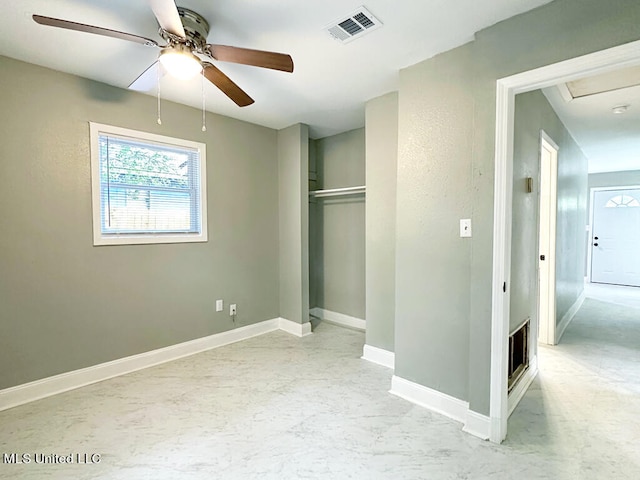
x=331 y=81
x=610 y=141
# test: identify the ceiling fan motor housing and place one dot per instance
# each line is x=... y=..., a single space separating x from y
x=195 y=26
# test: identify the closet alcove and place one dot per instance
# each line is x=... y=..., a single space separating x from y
x=337 y=229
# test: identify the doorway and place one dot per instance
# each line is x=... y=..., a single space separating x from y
x=615 y=237
x=598 y=62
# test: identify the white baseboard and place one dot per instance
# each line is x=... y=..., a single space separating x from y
x=566 y=319
x=523 y=385
x=379 y=356
x=339 y=318
x=28 y=392
x=477 y=425
x=294 y=328
x=432 y=399
x=473 y=422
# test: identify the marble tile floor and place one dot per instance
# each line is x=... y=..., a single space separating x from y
x=618 y=294
x=280 y=407
x=584 y=405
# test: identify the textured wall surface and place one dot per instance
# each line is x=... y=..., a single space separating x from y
x=381 y=173
x=339 y=230
x=615 y=179
x=435 y=122
x=570 y=225
x=315 y=242
x=293 y=173
x=65 y=304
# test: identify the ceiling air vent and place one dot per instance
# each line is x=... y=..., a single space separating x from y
x=354 y=26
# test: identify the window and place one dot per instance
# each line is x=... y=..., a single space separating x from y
x=146 y=188
x=622 y=201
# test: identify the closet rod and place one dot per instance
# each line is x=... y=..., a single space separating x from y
x=332 y=192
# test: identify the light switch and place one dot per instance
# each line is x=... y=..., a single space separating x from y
x=465 y=227
x=219 y=305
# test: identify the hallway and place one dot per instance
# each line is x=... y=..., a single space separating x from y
x=585 y=401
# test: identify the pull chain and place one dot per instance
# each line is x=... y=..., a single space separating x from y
x=204 y=117
x=158 y=78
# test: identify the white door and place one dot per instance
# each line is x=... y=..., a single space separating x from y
x=547 y=241
x=615 y=242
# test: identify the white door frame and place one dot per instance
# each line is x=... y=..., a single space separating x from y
x=592 y=192
x=507 y=88
x=548 y=205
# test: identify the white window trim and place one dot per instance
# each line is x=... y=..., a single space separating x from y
x=148 y=238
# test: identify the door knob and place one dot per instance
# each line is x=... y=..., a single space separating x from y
x=542 y=257
x=595 y=244
x=595 y=238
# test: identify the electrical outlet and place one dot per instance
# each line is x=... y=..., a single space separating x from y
x=219 y=305
x=232 y=309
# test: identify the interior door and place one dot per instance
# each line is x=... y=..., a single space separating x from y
x=547 y=241
x=615 y=242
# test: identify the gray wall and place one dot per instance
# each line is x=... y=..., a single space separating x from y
x=435 y=123
x=65 y=304
x=293 y=168
x=570 y=225
x=532 y=114
x=381 y=170
x=614 y=179
x=315 y=242
x=339 y=226
x=446 y=172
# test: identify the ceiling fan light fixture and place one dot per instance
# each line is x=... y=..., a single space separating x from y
x=180 y=62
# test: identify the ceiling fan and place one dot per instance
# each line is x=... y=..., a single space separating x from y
x=185 y=32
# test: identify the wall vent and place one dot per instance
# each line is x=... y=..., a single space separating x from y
x=353 y=26
x=518 y=354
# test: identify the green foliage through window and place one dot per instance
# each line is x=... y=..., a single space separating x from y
x=131 y=165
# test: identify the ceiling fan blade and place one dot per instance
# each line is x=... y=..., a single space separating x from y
x=148 y=79
x=81 y=27
x=256 y=58
x=224 y=83
x=168 y=18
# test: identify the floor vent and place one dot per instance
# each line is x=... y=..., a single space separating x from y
x=518 y=354
x=354 y=26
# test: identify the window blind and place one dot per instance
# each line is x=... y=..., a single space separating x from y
x=147 y=187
